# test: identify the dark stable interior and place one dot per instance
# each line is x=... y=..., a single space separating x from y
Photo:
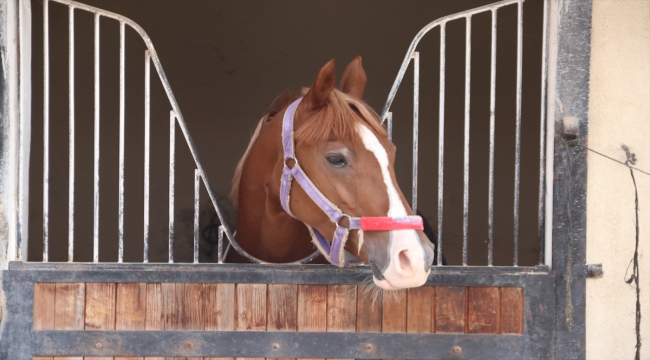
x=227 y=61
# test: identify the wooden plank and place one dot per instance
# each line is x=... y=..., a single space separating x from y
x=44 y=306
x=419 y=310
x=482 y=310
x=193 y=312
x=393 y=311
x=219 y=308
x=130 y=309
x=368 y=309
x=179 y=300
x=100 y=309
x=282 y=309
x=69 y=308
x=154 y=313
x=44 y=309
x=512 y=310
x=251 y=307
x=341 y=308
x=450 y=309
x=312 y=308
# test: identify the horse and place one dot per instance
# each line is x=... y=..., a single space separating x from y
x=322 y=164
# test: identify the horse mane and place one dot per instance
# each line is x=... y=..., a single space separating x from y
x=336 y=119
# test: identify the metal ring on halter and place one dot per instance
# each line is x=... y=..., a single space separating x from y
x=344 y=215
x=294 y=165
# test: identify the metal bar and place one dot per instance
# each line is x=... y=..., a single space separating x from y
x=468 y=67
x=220 y=256
x=493 y=79
x=441 y=136
x=147 y=150
x=542 y=138
x=389 y=125
x=120 y=254
x=287 y=344
x=520 y=20
x=96 y=149
x=71 y=134
x=262 y=273
x=46 y=131
x=197 y=182
x=172 y=151
x=416 y=108
x=418 y=37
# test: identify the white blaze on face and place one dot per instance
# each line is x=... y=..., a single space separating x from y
x=406 y=267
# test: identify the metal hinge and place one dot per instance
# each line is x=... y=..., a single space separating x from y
x=594 y=271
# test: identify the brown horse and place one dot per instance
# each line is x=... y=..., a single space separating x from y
x=342 y=147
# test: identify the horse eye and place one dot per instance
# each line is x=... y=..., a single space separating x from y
x=336 y=160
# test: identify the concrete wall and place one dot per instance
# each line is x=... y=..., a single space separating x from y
x=619 y=114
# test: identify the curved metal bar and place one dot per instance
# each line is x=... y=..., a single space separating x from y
x=418 y=37
x=170 y=96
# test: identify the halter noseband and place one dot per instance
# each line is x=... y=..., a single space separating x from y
x=333 y=252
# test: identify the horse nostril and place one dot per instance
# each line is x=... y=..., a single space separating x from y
x=404 y=260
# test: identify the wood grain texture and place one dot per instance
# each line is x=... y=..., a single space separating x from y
x=450 y=309
x=512 y=310
x=341 y=308
x=179 y=298
x=368 y=309
x=282 y=307
x=312 y=308
x=251 y=307
x=44 y=294
x=100 y=309
x=219 y=308
x=130 y=313
x=393 y=311
x=69 y=309
x=194 y=312
x=172 y=304
x=482 y=310
x=154 y=314
x=419 y=310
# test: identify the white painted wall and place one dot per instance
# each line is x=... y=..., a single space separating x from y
x=619 y=114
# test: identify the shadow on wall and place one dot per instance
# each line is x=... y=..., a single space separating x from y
x=227 y=60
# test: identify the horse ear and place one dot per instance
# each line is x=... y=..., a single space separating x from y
x=354 y=79
x=322 y=87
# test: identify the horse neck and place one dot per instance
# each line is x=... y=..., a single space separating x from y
x=263 y=228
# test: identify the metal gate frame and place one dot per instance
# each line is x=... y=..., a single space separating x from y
x=568 y=100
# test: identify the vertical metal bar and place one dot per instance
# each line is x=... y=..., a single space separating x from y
x=441 y=137
x=147 y=145
x=71 y=134
x=46 y=130
x=542 y=138
x=416 y=108
x=197 y=179
x=96 y=149
x=172 y=151
x=389 y=125
x=468 y=60
x=520 y=21
x=120 y=254
x=493 y=74
x=220 y=245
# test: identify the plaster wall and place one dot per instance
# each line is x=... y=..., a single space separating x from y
x=619 y=114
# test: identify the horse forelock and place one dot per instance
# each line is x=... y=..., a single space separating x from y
x=338 y=118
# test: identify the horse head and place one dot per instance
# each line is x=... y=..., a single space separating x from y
x=339 y=145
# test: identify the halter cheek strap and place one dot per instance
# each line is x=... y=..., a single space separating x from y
x=334 y=251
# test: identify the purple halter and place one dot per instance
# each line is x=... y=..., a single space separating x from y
x=333 y=252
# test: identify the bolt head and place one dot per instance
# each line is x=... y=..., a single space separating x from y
x=457 y=349
x=275 y=346
x=98 y=346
